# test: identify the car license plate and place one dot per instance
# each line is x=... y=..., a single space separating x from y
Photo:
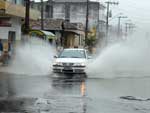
x=67 y=68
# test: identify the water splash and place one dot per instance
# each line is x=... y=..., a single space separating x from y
x=128 y=58
x=34 y=57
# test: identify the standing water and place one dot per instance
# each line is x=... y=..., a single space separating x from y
x=33 y=57
x=124 y=67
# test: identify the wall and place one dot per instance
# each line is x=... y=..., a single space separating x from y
x=17 y=10
x=16 y=26
x=76 y=13
x=19 y=2
x=75 y=10
x=59 y=11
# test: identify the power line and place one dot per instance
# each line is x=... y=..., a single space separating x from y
x=119 y=19
x=129 y=28
x=108 y=14
x=136 y=16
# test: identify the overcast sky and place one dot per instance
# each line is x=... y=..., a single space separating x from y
x=138 y=11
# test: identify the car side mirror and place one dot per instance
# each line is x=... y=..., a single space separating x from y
x=55 y=56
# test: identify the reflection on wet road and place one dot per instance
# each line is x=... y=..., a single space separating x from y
x=35 y=94
x=73 y=94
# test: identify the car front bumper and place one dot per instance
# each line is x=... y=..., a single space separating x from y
x=69 y=69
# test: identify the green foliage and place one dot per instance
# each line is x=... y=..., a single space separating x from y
x=90 y=41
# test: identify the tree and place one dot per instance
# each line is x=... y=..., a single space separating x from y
x=91 y=40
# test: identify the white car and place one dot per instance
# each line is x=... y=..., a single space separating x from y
x=71 y=60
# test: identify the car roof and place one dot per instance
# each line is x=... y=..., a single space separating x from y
x=74 y=49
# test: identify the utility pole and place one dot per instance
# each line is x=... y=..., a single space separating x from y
x=119 y=19
x=87 y=19
x=126 y=28
x=27 y=16
x=42 y=20
x=131 y=27
x=107 y=15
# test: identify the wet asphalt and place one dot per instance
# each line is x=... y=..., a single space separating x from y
x=73 y=94
x=45 y=93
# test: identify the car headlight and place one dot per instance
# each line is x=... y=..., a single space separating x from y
x=58 y=63
x=79 y=64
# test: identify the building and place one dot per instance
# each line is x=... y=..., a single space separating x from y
x=52 y=25
x=12 y=12
x=73 y=11
x=68 y=34
x=73 y=34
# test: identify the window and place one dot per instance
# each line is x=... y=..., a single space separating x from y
x=72 y=54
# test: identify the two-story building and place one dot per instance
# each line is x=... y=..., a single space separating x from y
x=12 y=13
x=73 y=11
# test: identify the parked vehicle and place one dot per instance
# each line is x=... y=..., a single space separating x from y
x=72 y=60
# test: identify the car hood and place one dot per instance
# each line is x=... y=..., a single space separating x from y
x=71 y=60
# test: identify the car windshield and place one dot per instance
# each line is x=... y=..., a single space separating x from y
x=72 y=54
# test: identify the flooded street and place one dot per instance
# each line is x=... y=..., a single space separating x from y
x=116 y=82
x=51 y=94
x=107 y=41
x=123 y=95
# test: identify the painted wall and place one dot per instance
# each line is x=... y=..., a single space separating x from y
x=16 y=27
x=59 y=11
x=77 y=12
x=17 y=10
x=19 y=2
